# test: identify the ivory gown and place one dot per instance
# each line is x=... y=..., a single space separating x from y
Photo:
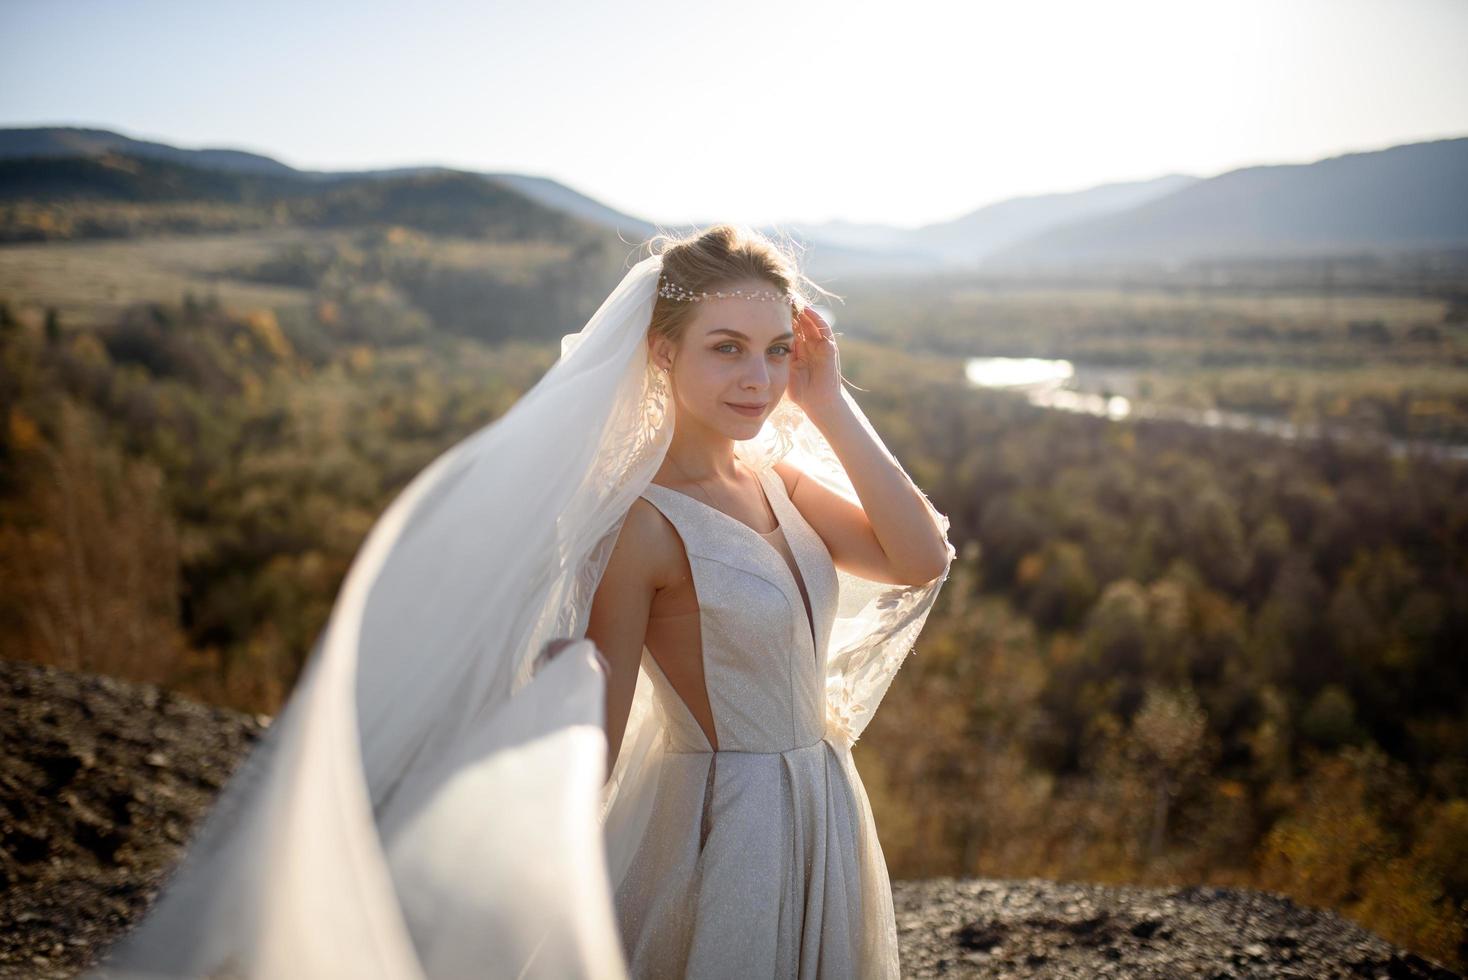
x=751 y=862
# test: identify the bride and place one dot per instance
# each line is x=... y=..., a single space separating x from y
x=586 y=699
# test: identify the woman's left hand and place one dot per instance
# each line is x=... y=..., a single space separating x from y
x=815 y=375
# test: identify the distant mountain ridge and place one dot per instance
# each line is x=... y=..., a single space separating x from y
x=66 y=141
x=240 y=175
x=968 y=239
x=1409 y=196
x=1413 y=196
x=70 y=141
x=434 y=201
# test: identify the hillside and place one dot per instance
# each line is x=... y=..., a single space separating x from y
x=39 y=162
x=104 y=779
x=77 y=183
x=80 y=141
x=1403 y=197
x=968 y=239
x=115 y=195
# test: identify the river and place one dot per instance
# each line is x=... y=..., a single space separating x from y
x=1111 y=392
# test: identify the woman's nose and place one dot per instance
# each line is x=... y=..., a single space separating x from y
x=758 y=376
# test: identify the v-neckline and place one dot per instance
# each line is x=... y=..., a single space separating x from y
x=802 y=586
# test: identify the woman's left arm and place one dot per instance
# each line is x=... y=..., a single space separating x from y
x=891 y=537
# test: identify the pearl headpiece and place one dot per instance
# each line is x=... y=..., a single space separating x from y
x=671 y=290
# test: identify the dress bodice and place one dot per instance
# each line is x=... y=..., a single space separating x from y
x=764 y=660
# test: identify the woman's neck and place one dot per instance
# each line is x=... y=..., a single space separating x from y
x=704 y=459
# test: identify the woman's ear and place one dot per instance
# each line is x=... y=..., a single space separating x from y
x=661 y=352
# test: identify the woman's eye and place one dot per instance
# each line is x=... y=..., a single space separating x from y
x=734 y=348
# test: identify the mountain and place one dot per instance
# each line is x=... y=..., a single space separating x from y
x=77 y=144
x=61 y=163
x=436 y=201
x=833 y=249
x=1413 y=196
x=116 y=176
x=966 y=240
x=554 y=194
x=70 y=141
x=970 y=238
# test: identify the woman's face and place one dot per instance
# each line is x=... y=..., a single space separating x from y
x=736 y=351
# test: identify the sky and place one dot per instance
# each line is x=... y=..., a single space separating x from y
x=768 y=111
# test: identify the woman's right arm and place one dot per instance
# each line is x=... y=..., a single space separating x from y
x=620 y=612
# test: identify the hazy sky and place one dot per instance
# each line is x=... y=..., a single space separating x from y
x=759 y=111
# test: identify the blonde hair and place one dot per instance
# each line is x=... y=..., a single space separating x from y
x=716 y=258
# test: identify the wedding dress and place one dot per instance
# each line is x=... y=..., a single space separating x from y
x=430 y=801
x=755 y=863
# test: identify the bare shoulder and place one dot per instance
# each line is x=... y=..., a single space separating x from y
x=648 y=547
x=790 y=474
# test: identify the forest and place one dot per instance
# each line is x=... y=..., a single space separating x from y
x=1166 y=654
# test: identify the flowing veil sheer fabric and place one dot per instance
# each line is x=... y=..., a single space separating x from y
x=430 y=800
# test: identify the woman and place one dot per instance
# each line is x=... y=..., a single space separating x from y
x=433 y=801
x=723 y=588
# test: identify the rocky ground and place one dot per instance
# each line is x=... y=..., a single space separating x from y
x=985 y=927
x=101 y=781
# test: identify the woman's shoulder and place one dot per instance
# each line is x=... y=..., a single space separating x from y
x=789 y=474
x=648 y=544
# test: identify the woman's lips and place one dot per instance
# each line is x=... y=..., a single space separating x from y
x=742 y=410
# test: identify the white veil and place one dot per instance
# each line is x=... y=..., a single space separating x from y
x=430 y=800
